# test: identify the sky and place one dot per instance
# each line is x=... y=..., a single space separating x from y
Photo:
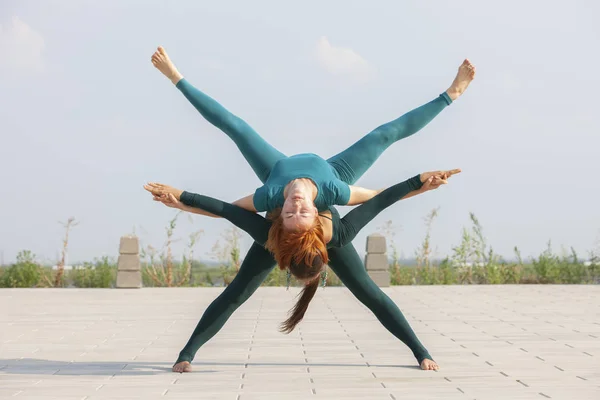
x=86 y=120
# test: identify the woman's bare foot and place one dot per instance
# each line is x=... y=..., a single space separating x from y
x=163 y=63
x=466 y=73
x=183 y=366
x=428 y=365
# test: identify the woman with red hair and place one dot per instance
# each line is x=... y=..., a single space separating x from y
x=303 y=231
x=338 y=253
x=297 y=188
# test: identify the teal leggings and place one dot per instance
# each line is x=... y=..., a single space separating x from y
x=345 y=262
x=349 y=165
x=347 y=265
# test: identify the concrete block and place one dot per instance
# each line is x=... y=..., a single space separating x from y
x=129 y=279
x=376 y=262
x=129 y=262
x=376 y=244
x=129 y=245
x=381 y=278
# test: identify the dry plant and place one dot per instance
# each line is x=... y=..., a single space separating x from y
x=169 y=261
x=389 y=231
x=163 y=275
x=156 y=275
x=228 y=254
x=595 y=252
x=161 y=268
x=424 y=252
x=187 y=261
x=60 y=267
x=234 y=235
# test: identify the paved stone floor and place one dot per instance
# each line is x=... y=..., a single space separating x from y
x=492 y=342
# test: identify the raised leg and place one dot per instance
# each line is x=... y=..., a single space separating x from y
x=353 y=162
x=258 y=153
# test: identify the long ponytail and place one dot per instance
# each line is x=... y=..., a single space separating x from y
x=304 y=254
x=310 y=274
x=297 y=313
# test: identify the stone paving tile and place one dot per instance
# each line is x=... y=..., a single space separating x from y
x=493 y=342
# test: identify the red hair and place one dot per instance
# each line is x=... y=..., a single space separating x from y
x=296 y=247
x=303 y=253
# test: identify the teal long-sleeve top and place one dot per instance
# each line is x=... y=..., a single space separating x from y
x=344 y=229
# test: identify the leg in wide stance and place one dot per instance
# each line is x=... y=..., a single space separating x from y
x=254 y=269
x=348 y=266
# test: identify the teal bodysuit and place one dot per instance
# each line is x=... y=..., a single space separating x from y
x=343 y=260
x=345 y=169
x=330 y=189
x=332 y=176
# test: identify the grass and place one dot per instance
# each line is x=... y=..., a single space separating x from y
x=472 y=261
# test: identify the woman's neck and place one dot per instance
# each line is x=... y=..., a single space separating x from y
x=302 y=185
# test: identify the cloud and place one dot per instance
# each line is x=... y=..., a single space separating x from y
x=342 y=61
x=21 y=47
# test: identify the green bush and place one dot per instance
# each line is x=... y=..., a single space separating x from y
x=25 y=273
x=510 y=274
x=546 y=269
x=472 y=261
x=277 y=277
x=100 y=274
x=447 y=273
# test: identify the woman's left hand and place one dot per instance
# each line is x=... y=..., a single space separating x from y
x=160 y=190
x=170 y=201
x=435 y=179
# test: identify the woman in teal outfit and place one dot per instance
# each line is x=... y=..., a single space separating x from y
x=301 y=186
x=285 y=187
x=344 y=261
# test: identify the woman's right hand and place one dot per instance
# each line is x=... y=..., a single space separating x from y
x=441 y=177
x=160 y=190
x=168 y=200
x=433 y=180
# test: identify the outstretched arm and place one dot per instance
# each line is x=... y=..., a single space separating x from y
x=247 y=203
x=254 y=224
x=189 y=209
x=161 y=193
x=359 y=195
x=251 y=222
x=360 y=216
